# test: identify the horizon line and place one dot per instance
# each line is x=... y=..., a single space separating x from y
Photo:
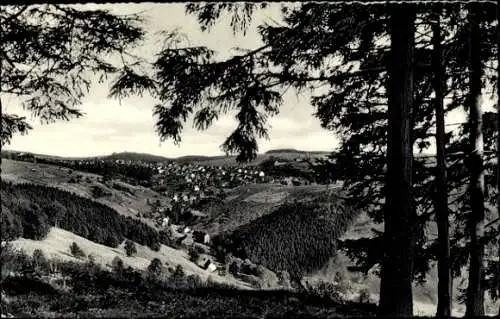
x=158 y=155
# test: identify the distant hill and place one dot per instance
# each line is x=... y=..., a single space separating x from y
x=218 y=160
x=131 y=156
x=294 y=151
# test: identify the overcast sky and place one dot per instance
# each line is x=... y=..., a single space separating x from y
x=110 y=127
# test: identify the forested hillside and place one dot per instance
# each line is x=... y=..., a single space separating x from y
x=249 y=202
x=30 y=210
x=299 y=237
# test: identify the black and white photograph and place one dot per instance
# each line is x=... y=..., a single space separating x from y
x=250 y=159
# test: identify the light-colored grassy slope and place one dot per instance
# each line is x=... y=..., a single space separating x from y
x=56 y=246
x=126 y=203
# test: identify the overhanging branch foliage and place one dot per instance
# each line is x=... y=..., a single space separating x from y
x=50 y=53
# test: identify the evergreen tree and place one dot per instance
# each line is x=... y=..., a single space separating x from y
x=441 y=192
x=48 y=52
x=76 y=251
x=118 y=266
x=475 y=291
x=130 y=248
x=154 y=269
x=396 y=297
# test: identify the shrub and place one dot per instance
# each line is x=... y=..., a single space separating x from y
x=194 y=281
x=155 y=268
x=155 y=246
x=8 y=260
x=193 y=254
x=112 y=240
x=178 y=272
x=325 y=290
x=284 y=279
x=39 y=260
x=98 y=191
x=76 y=251
x=364 y=296
x=117 y=265
x=234 y=268
x=130 y=248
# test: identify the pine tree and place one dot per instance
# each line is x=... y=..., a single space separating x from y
x=48 y=52
x=130 y=248
x=397 y=264
x=441 y=193
x=498 y=146
x=475 y=292
x=155 y=268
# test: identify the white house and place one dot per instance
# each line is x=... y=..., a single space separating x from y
x=187 y=230
x=196 y=188
x=165 y=222
x=206 y=239
x=211 y=267
x=261 y=174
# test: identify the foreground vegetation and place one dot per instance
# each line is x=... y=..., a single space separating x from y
x=35 y=287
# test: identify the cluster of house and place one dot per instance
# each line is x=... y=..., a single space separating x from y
x=201 y=181
x=205 y=175
x=189 y=237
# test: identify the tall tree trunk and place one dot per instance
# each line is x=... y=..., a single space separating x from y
x=396 y=297
x=441 y=194
x=475 y=291
x=498 y=140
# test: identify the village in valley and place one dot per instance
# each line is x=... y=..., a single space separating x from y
x=183 y=187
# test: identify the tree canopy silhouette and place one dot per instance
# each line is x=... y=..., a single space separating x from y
x=50 y=54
